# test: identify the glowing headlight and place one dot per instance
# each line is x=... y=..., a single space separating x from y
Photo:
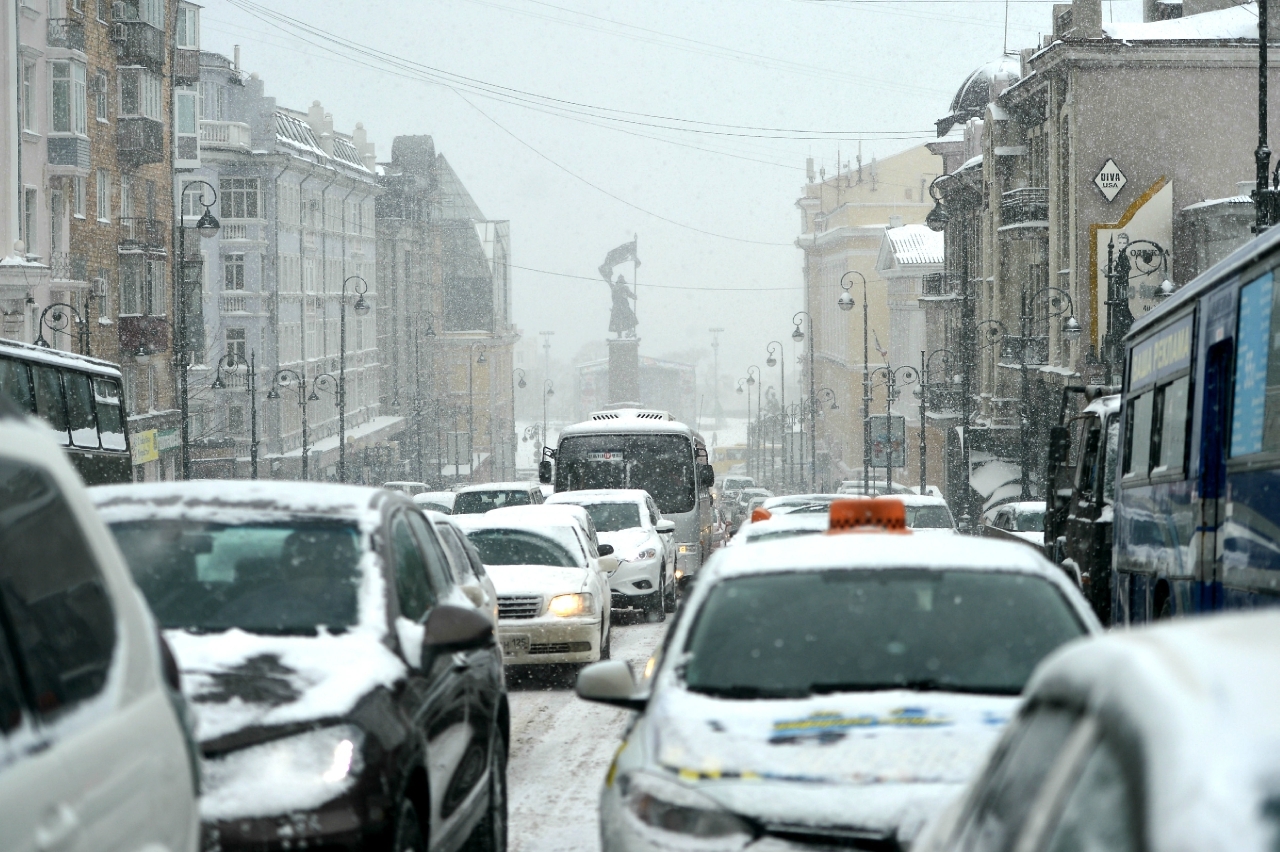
x=565 y=606
x=669 y=806
x=297 y=773
x=647 y=553
x=684 y=548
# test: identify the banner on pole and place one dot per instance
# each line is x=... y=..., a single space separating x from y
x=888 y=440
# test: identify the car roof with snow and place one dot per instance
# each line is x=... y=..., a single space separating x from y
x=918 y=499
x=780 y=525
x=240 y=501
x=498 y=486
x=598 y=495
x=800 y=499
x=1202 y=697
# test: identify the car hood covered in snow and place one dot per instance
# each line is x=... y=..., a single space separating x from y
x=627 y=542
x=793 y=762
x=536 y=579
x=238 y=681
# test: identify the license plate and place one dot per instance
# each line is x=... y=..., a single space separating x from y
x=515 y=646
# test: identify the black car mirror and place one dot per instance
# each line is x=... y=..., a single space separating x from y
x=544 y=472
x=1059 y=445
x=610 y=682
x=455 y=628
x=606 y=550
x=706 y=475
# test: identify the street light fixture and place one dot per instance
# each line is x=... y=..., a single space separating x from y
x=892 y=378
x=846 y=303
x=361 y=308
x=471 y=424
x=778 y=359
x=519 y=373
x=797 y=335
x=207 y=226
x=286 y=378
x=62 y=316
x=754 y=448
x=230 y=362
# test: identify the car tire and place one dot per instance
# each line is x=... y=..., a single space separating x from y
x=669 y=602
x=655 y=607
x=606 y=642
x=491 y=834
x=408 y=836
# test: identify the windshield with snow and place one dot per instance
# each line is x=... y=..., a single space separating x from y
x=479 y=502
x=1029 y=521
x=517 y=547
x=663 y=465
x=274 y=578
x=929 y=517
x=612 y=517
x=803 y=633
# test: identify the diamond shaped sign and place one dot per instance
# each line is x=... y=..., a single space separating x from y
x=1110 y=180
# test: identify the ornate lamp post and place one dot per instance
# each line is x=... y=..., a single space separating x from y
x=285 y=378
x=753 y=445
x=845 y=303
x=229 y=362
x=471 y=424
x=777 y=359
x=891 y=378
x=361 y=308
x=797 y=335
x=922 y=393
x=58 y=317
x=548 y=391
x=207 y=226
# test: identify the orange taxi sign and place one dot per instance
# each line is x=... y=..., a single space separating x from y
x=873 y=514
x=760 y=514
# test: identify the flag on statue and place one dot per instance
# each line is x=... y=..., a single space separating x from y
x=617 y=257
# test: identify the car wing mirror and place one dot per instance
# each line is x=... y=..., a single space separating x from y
x=610 y=682
x=605 y=549
x=474 y=594
x=665 y=526
x=706 y=475
x=608 y=564
x=455 y=628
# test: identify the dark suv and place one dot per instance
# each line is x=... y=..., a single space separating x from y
x=346 y=693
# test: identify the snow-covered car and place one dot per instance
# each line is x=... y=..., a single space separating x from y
x=741 y=507
x=782 y=526
x=643 y=543
x=553 y=587
x=436 y=501
x=407 y=487
x=94 y=752
x=928 y=515
x=478 y=499
x=468 y=568
x=1021 y=521
x=731 y=485
x=827 y=689
x=799 y=503
x=346 y=693
x=1158 y=739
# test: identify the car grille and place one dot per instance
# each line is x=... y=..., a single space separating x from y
x=519 y=606
x=560 y=648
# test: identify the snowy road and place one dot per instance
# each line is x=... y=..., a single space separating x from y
x=560 y=749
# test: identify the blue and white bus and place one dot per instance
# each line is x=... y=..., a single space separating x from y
x=1197 y=510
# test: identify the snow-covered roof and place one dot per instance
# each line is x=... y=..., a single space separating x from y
x=915 y=244
x=497 y=486
x=1214 y=202
x=1233 y=22
x=1202 y=697
x=293 y=131
x=239 y=501
x=1104 y=406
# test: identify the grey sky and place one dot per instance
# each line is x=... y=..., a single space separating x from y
x=883 y=65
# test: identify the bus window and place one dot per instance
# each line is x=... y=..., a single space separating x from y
x=16 y=385
x=1169 y=440
x=106 y=394
x=49 y=402
x=84 y=427
x=1087 y=472
x=1109 y=459
x=1248 y=414
x=1137 y=436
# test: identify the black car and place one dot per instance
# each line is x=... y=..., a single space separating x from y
x=347 y=694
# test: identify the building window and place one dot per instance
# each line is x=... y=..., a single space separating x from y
x=235 y=419
x=236 y=345
x=210 y=101
x=103 y=195
x=239 y=198
x=30 y=206
x=233 y=272
x=187 y=34
x=126 y=196
x=77 y=197
x=28 y=89
x=67 y=92
x=185 y=131
x=139 y=284
x=141 y=93
x=77 y=6
x=101 y=111
x=104 y=10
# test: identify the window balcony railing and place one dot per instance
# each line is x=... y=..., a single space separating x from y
x=143 y=335
x=186 y=66
x=938 y=284
x=1029 y=204
x=234 y=303
x=65 y=266
x=224 y=134
x=140 y=140
x=138 y=43
x=66 y=33
x=141 y=232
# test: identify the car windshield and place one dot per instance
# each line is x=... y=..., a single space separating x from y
x=1029 y=521
x=929 y=517
x=801 y=633
x=612 y=517
x=275 y=578
x=479 y=502
x=663 y=465
x=519 y=547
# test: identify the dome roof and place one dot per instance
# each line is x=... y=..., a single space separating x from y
x=975 y=93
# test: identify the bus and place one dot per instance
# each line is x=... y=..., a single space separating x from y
x=1197 y=509
x=79 y=398
x=651 y=450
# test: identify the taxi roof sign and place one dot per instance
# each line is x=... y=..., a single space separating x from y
x=759 y=513
x=868 y=514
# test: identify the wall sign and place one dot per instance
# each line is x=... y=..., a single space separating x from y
x=1110 y=180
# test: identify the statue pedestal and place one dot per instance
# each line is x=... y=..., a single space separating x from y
x=624 y=370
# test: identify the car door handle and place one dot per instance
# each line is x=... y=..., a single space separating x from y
x=58 y=828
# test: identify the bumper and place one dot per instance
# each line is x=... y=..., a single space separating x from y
x=337 y=825
x=539 y=641
x=635 y=580
x=688 y=560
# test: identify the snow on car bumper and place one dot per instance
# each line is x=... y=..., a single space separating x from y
x=635 y=579
x=544 y=640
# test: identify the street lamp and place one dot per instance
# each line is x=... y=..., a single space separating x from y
x=753 y=448
x=891 y=378
x=207 y=226
x=471 y=425
x=922 y=393
x=548 y=391
x=777 y=359
x=58 y=317
x=845 y=302
x=361 y=308
x=229 y=362
x=285 y=378
x=519 y=374
x=797 y=335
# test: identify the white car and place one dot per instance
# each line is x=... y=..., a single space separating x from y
x=436 y=501
x=799 y=503
x=1022 y=521
x=478 y=499
x=829 y=689
x=94 y=750
x=929 y=515
x=1159 y=739
x=468 y=568
x=777 y=527
x=553 y=588
x=628 y=521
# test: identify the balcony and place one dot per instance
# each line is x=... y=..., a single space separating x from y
x=233 y=135
x=1029 y=204
x=143 y=335
x=65 y=266
x=140 y=140
x=234 y=303
x=938 y=284
x=69 y=151
x=186 y=66
x=138 y=43
x=66 y=33
x=138 y=232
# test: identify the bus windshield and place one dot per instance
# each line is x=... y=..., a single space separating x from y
x=660 y=464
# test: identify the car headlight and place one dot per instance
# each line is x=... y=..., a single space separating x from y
x=566 y=606
x=647 y=553
x=669 y=806
x=297 y=773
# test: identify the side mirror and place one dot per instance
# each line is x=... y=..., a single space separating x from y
x=608 y=564
x=455 y=628
x=544 y=471
x=665 y=526
x=706 y=475
x=610 y=682
x=1059 y=445
x=474 y=594
x=605 y=550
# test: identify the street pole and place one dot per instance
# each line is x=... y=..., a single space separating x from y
x=1024 y=407
x=251 y=384
x=208 y=226
x=548 y=390
x=1266 y=200
x=924 y=403
x=866 y=398
x=780 y=358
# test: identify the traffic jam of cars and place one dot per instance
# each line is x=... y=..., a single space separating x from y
x=269 y=665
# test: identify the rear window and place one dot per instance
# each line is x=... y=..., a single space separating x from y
x=929 y=517
x=802 y=633
x=517 y=547
x=612 y=517
x=479 y=502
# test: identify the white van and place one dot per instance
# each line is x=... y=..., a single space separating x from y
x=93 y=755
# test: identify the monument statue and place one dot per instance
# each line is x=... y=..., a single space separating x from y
x=622 y=318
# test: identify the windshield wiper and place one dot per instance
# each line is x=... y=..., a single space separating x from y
x=917 y=685
x=747 y=692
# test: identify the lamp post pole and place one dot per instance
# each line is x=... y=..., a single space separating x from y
x=283 y=379
x=753 y=442
x=361 y=308
x=891 y=381
x=924 y=386
x=471 y=405
x=208 y=226
x=1266 y=198
x=798 y=336
x=780 y=360
x=548 y=391
x=250 y=384
x=845 y=303
x=741 y=382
